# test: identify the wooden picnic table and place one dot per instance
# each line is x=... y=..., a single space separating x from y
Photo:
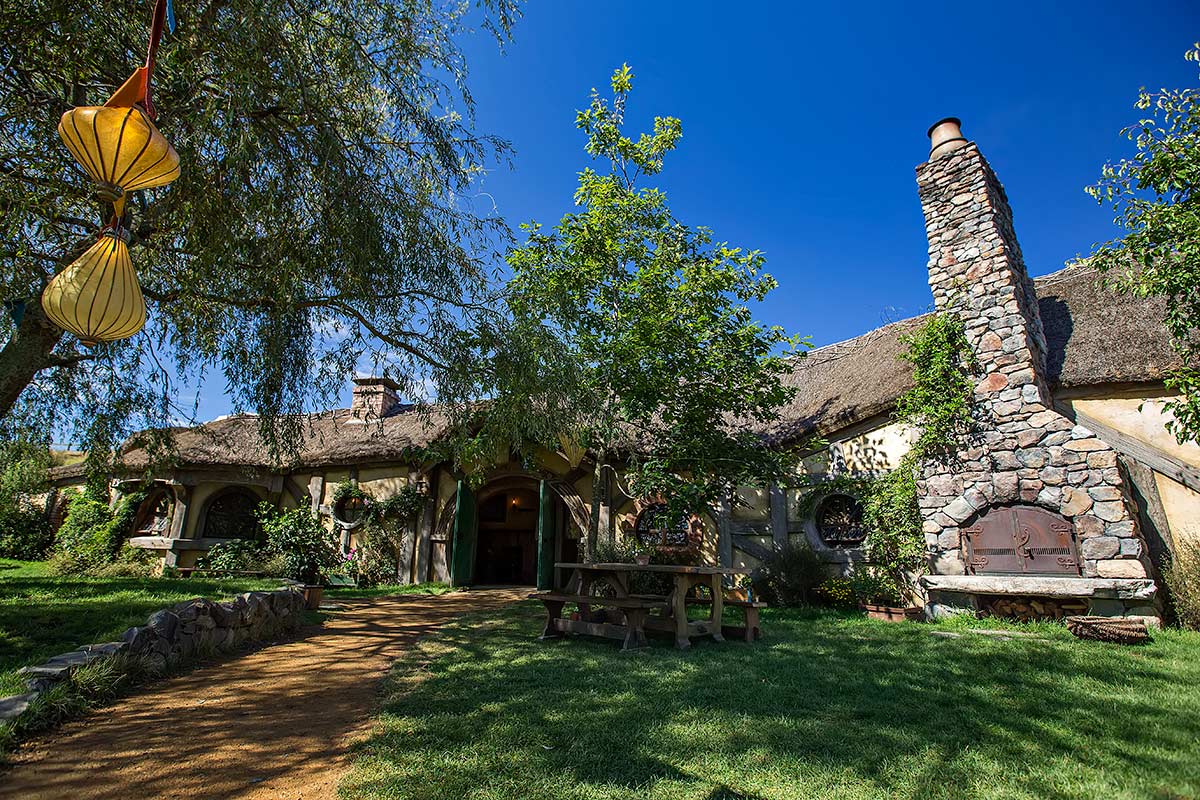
x=684 y=579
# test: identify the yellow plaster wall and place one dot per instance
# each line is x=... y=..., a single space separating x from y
x=753 y=505
x=1144 y=419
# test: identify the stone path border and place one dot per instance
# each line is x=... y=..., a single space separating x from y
x=275 y=723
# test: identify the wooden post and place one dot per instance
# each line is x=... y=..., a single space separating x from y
x=183 y=501
x=422 y=566
x=724 y=534
x=779 y=518
x=462 y=556
x=545 y=537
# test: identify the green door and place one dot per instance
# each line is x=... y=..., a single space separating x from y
x=545 y=537
x=462 y=553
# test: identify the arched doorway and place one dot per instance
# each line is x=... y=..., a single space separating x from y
x=512 y=531
x=506 y=550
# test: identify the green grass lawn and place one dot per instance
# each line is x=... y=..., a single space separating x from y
x=830 y=706
x=42 y=615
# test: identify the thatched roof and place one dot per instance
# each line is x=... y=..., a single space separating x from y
x=1093 y=336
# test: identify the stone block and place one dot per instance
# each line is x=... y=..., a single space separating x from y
x=1105 y=493
x=1120 y=568
x=949 y=563
x=1085 y=445
x=1089 y=526
x=959 y=510
x=1075 y=502
x=1034 y=458
x=1123 y=528
x=1006 y=486
x=1102 y=459
x=15 y=705
x=1109 y=511
x=1043 y=418
x=1050 y=497
x=1131 y=547
x=949 y=540
x=975 y=498
x=1100 y=547
x=163 y=624
x=1104 y=607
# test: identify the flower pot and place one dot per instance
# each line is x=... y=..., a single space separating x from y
x=642 y=559
x=312 y=596
x=891 y=613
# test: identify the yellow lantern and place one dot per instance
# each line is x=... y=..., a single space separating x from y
x=120 y=149
x=572 y=449
x=97 y=298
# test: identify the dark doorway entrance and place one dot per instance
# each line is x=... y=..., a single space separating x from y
x=506 y=552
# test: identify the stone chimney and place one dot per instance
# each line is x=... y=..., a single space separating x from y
x=374 y=397
x=1027 y=453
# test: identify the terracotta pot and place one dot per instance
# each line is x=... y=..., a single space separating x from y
x=642 y=558
x=312 y=596
x=891 y=613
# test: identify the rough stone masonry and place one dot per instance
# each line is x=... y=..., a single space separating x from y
x=1026 y=452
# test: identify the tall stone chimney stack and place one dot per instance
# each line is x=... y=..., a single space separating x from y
x=1027 y=453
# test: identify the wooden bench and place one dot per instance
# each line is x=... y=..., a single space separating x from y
x=185 y=572
x=634 y=609
x=752 y=629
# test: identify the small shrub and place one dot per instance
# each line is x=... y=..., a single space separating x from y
x=875 y=586
x=25 y=535
x=132 y=562
x=837 y=592
x=1183 y=582
x=308 y=551
x=792 y=573
x=81 y=544
x=239 y=555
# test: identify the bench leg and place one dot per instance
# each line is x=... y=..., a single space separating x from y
x=553 y=611
x=752 y=630
x=635 y=634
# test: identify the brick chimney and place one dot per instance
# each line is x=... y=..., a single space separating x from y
x=374 y=397
x=1027 y=453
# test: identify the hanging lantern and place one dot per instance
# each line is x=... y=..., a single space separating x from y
x=120 y=149
x=97 y=297
x=572 y=449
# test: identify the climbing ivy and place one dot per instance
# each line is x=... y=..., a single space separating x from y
x=940 y=407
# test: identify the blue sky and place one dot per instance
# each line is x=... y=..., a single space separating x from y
x=803 y=122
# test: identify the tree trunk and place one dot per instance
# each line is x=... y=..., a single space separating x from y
x=26 y=354
x=598 y=497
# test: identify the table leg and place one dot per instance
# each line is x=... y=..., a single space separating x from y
x=718 y=607
x=553 y=612
x=679 y=611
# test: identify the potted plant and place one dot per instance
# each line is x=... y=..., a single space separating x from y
x=881 y=596
x=641 y=554
x=306 y=548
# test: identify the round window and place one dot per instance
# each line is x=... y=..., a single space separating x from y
x=839 y=521
x=656 y=528
x=350 y=509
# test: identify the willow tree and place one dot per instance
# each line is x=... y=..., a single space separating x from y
x=644 y=347
x=323 y=220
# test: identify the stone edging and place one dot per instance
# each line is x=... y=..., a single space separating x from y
x=171 y=637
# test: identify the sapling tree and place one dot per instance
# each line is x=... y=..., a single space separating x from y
x=643 y=344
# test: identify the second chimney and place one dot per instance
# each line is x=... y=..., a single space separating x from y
x=374 y=397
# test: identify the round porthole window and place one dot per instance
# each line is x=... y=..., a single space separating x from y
x=839 y=521
x=350 y=510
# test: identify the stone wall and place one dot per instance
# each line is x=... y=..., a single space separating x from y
x=1027 y=453
x=172 y=637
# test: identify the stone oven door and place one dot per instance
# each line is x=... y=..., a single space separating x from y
x=1021 y=540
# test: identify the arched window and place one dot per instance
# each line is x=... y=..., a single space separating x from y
x=839 y=521
x=230 y=515
x=350 y=510
x=154 y=514
x=655 y=527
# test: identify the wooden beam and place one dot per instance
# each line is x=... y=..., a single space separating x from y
x=1127 y=445
x=779 y=521
x=751 y=548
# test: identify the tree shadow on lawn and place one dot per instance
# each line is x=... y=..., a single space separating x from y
x=828 y=706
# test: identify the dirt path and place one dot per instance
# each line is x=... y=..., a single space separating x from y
x=276 y=723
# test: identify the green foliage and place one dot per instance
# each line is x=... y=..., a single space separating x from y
x=132 y=562
x=322 y=218
x=624 y=550
x=940 y=402
x=1182 y=575
x=876 y=586
x=389 y=525
x=82 y=542
x=895 y=542
x=1154 y=196
x=307 y=550
x=25 y=535
x=791 y=575
x=239 y=555
x=640 y=341
x=940 y=407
